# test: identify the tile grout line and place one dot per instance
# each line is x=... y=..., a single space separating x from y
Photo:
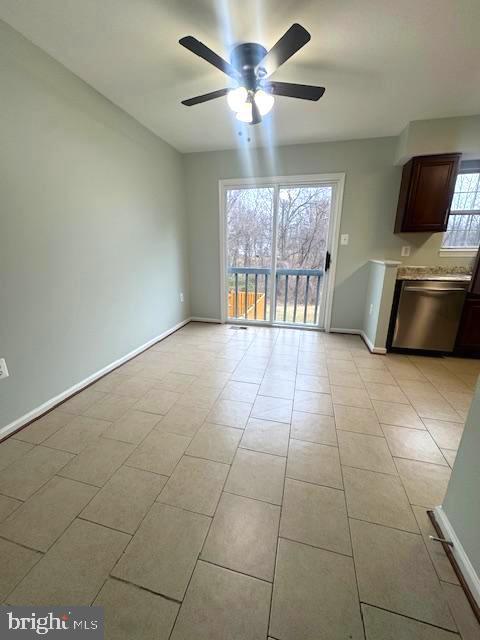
x=387 y=526
x=403 y=615
x=352 y=547
x=269 y=620
x=137 y=586
x=242 y=573
x=313 y=546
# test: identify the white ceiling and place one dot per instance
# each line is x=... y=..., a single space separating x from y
x=383 y=62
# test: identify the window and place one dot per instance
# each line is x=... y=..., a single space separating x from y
x=463 y=230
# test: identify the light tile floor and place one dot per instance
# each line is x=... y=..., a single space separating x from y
x=239 y=484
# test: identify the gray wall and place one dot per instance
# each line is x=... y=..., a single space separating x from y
x=462 y=503
x=442 y=135
x=369 y=207
x=93 y=250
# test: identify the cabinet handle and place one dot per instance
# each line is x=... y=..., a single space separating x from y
x=434 y=290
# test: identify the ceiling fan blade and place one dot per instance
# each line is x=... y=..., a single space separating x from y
x=302 y=91
x=291 y=41
x=256 y=116
x=205 y=97
x=201 y=50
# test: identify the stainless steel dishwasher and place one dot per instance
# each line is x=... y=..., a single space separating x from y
x=429 y=314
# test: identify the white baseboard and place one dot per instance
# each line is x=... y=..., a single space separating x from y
x=49 y=404
x=360 y=332
x=197 y=319
x=356 y=332
x=464 y=564
x=370 y=345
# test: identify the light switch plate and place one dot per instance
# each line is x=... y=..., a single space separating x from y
x=405 y=251
x=3 y=369
x=344 y=238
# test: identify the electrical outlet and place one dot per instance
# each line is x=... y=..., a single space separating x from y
x=371 y=310
x=405 y=251
x=3 y=369
x=182 y=297
x=344 y=239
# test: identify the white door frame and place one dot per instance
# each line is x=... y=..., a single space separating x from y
x=337 y=180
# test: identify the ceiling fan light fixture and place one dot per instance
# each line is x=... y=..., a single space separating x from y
x=245 y=112
x=264 y=101
x=252 y=95
x=237 y=98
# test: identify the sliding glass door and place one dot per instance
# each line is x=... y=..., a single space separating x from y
x=276 y=249
x=249 y=225
x=302 y=234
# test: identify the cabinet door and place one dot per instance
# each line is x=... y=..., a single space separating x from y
x=475 y=283
x=427 y=193
x=468 y=339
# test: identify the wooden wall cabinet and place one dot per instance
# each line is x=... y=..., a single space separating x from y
x=426 y=193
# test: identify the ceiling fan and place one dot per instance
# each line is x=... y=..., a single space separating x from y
x=251 y=66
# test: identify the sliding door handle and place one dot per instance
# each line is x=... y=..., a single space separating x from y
x=327 y=261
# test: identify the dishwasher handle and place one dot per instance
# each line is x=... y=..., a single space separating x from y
x=431 y=289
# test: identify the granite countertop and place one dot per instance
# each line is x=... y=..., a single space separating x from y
x=453 y=274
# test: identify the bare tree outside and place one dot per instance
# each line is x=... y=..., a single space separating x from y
x=303 y=226
x=463 y=230
x=302 y=230
x=249 y=227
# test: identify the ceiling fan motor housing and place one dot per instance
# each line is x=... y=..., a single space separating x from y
x=245 y=57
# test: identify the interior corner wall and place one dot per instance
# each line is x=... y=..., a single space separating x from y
x=93 y=238
x=369 y=207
